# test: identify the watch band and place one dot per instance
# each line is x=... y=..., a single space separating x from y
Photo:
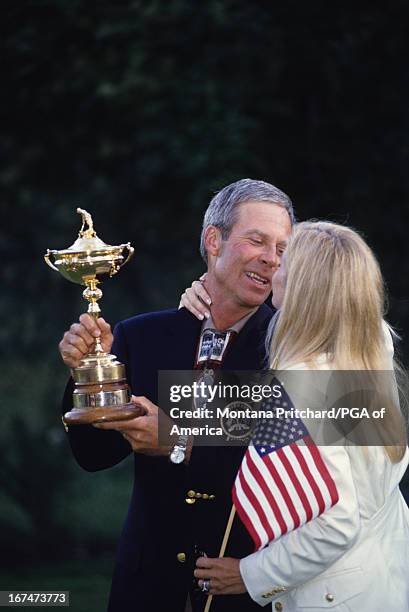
x=178 y=452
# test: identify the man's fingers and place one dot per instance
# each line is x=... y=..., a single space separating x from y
x=141 y=400
x=78 y=342
x=129 y=427
x=132 y=439
x=122 y=426
x=71 y=355
x=97 y=329
x=90 y=324
x=77 y=329
x=104 y=326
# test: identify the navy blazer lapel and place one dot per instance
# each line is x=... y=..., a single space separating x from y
x=182 y=338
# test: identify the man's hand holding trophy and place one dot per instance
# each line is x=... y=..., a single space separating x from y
x=80 y=339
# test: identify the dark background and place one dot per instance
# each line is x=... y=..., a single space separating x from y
x=138 y=112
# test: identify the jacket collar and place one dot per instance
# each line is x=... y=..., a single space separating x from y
x=247 y=352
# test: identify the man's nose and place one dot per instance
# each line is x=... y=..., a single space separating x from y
x=271 y=258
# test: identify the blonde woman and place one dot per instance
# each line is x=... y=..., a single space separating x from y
x=355 y=556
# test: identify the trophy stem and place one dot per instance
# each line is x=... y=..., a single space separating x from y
x=92 y=294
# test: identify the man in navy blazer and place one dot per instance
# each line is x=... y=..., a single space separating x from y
x=177 y=510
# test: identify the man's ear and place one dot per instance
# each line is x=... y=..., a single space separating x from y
x=212 y=240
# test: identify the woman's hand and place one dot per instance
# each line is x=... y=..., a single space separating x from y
x=196 y=299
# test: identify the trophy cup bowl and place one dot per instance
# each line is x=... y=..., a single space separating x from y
x=101 y=393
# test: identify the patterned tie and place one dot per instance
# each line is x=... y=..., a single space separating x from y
x=211 y=351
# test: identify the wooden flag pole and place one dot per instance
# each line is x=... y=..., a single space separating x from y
x=222 y=549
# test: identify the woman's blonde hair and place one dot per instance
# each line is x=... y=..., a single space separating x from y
x=333 y=304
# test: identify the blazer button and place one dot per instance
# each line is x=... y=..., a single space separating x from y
x=191 y=493
x=278 y=606
x=329 y=597
x=181 y=557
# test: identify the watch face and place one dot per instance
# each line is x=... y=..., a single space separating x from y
x=177 y=455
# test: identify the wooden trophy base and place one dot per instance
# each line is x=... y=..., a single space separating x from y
x=103 y=414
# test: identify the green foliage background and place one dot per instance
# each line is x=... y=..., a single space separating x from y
x=138 y=112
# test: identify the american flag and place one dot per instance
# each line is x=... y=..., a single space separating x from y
x=282 y=482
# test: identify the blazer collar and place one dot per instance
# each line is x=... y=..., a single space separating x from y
x=247 y=351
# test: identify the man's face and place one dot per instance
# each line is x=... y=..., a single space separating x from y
x=252 y=253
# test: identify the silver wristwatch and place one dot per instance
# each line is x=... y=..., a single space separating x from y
x=179 y=450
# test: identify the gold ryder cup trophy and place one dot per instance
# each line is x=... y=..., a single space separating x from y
x=101 y=392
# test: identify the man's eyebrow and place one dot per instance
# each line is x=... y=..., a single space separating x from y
x=256 y=231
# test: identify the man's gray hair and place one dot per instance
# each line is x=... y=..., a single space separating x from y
x=222 y=211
